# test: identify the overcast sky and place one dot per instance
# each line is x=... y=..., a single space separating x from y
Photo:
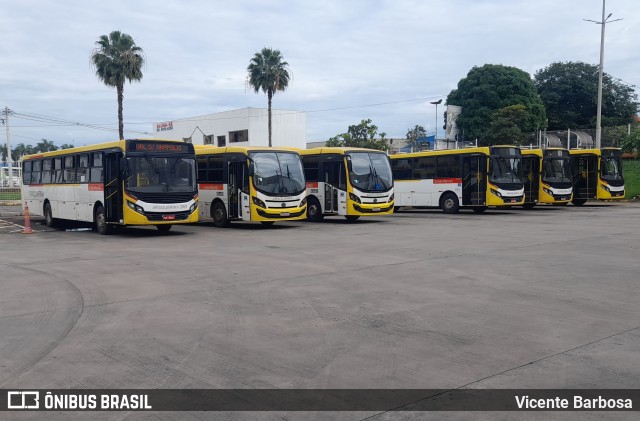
x=350 y=59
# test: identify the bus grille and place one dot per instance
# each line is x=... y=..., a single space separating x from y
x=180 y=216
x=169 y=197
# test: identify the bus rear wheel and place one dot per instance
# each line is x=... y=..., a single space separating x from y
x=164 y=228
x=100 y=221
x=219 y=214
x=449 y=203
x=314 y=210
x=479 y=209
x=352 y=218
x=579 y=202
x=48 y=215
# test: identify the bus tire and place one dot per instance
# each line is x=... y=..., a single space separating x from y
x=579 y=202
x=48 y=215
x=314 y=210
x=267 y=223
x=164 y=228
x=219 y=215
x=100 y=221
x=449 y=203
x=396 y=209
x=528 y=206
x=479 y=209
x=352 y=218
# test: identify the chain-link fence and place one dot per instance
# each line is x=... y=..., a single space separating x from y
x=10 y=180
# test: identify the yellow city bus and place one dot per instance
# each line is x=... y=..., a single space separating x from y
x=450 y=178
x=351 y=182
x=246 y=183
x=121 y=183
x=547 y=176
x=597 y=174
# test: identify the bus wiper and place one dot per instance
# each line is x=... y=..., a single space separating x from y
x=155 y=168
x=173 y=167
x=377 y=178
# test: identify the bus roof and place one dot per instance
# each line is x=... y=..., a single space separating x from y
x=121 y=144
x=210 y=149
x=592 y=151
x=479 y=149
x=539 y=151
x=336 y=150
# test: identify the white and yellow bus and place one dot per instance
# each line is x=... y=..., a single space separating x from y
x=244 y=183
x=351 y=182
x=597 y=174
x=121 y=183
x=450 y=178
x=547 y=176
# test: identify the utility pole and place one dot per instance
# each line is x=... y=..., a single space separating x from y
x=603 y=22
x=5 y=120
x=435 y=137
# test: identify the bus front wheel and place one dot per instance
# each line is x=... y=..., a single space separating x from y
x=449 y=203
x=579 y=202
x=314 y=210
x=164 y=228
x=100 y=221
x=219 y=214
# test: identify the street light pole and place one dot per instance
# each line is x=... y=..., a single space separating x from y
x=436 y=104
x=603 y=22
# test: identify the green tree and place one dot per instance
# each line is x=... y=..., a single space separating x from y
x=67 y=146
x=490 y=88
x=116 y=60
x=508 y=126
x=21 y=150
x=414 y=134
x=631 y=142
x=569 y=92
x=45 y=146
x=269 y=73
x=362 y=135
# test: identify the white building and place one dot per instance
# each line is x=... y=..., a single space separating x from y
x=243 y=127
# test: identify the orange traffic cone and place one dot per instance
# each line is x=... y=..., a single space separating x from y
x=27 y=221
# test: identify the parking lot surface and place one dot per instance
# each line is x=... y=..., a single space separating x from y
x=546 y=298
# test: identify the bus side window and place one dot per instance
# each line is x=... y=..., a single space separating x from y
x=36 y=172
x=424 y=167
x=215 y=172
x=96 y=172
x=46 y=171
x=57 y=171
x=448 y=167
x=401 y=169
x=310 y=165
x=69 y=169
x=26 y=172
x=83 y=166
x=202 y=169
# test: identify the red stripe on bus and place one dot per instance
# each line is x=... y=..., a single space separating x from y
x=312 y=185
x=447 y=180
x=96 y=187
x=211 y=186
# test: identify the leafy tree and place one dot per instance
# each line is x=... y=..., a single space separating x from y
x=116 y=60
x=270 y=73
x=508 y=126
x=569 y=92
x=631 y=142
x=490 y=88
x=45 y=146
x=362 y=135
x=414 y=134
x=67 y=146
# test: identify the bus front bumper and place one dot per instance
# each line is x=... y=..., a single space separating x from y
x=371 y=208
x=131 y=217
x=279 y=214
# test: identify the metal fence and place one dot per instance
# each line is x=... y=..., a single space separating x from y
x=10 y=181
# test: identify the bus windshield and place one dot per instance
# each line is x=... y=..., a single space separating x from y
x=158 y=174
x=370 y=171
x=278 y=173
x=611 y=168
x=556 y=170
x=506 y=170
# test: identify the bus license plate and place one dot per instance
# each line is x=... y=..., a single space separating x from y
x=168 y=217
x=285 y=214
x=513 y=201
x=376 y=209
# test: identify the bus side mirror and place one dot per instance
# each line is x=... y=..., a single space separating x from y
x=123 y=167
x=349 y=164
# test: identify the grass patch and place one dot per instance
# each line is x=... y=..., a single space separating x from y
x=13 y=194
x=631 y=173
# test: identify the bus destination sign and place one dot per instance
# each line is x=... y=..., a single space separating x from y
x=164 y=147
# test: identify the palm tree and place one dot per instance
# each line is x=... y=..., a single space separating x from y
x=45 y=146
x=117 y=59
x=269 y=73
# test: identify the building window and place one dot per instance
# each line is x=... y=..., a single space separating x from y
x=239 y=136
x=207 y=139
x=222 y=140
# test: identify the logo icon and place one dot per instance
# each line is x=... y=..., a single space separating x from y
x=23 y=400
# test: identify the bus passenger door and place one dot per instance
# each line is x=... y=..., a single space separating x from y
x=330 y=175
x=113 y=187
x=474 y=180
x=585 y=176
x=531 y=177
x=233 y=189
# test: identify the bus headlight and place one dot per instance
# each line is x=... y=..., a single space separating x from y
x=193 y=207
x=354 y=198
x=258 y=202
x=135 y=207
x=549 y=192
x=303 y=202
x=606 y=188
x=392 y=197
x=496 y=192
